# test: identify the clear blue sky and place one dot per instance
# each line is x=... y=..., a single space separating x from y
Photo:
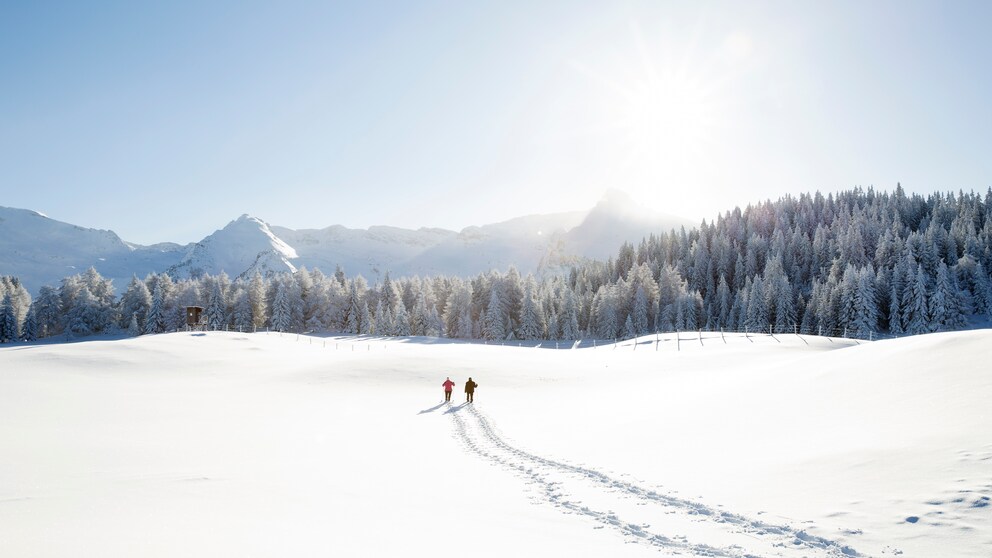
x=165 y=120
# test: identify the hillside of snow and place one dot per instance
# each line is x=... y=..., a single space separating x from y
x=371 y=251
x=228 y=444
x=41 y=251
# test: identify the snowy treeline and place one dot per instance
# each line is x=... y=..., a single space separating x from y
x=860 y=262
x=15 y=304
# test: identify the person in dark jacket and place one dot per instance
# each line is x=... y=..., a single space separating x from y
x=470 y=390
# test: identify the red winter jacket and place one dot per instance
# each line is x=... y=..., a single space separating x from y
x=448 y=384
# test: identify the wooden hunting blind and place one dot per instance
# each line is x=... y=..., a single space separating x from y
x=194 y=315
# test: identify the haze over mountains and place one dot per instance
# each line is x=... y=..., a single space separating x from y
x=39 y=250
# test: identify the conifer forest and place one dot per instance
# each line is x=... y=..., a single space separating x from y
x=859 y=263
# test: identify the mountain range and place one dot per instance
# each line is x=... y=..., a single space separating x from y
x=41 y=251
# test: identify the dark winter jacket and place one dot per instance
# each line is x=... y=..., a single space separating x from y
x=470 y=386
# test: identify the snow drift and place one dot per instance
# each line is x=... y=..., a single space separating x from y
x=211 y=444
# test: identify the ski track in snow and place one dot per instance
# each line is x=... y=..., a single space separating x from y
x=558 y=482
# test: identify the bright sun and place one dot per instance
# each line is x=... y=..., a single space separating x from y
x=662 y=113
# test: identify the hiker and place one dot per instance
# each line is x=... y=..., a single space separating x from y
x=470 y=390
x=448 y=385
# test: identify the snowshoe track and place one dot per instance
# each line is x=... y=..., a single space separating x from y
x=558 y=483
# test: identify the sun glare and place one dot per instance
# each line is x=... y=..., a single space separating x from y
x=663 y=110
x=664 y=120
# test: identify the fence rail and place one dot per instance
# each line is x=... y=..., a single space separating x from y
x=676 y=335
x=772 y=329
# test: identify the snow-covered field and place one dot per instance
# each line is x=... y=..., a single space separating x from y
x=226 y=444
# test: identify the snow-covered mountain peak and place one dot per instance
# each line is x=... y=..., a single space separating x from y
x=618 y=204
x=243 y=246
x=616 y=219
x=251 y=232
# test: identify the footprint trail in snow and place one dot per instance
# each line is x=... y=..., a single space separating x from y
x=641 y=514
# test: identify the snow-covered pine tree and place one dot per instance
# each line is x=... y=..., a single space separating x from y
x=136 y=302
x=402 y=321
x=48 y=311
x=388 y=294
x=982 y=292
x=629 y=332
x=699 y=253
x=420 y=319
x=353 y=321
x=155 y=321
x=680 y=314
x=554 y=326
x=103 y=310
x=607 y=323
x=691 y=304
x=317 y=302
x=466 y=326
x=435 y=326
x=8 y=320
x=737 y=320
x=512 y=298
x=823 y=250
x=84 y=315
x=382 y=325
x=779 y=298
x=296 y=304
x=973 y=283
x=848 y=296
x=895 y=312
x=308 y=308
x=29 y=330
x=944 y=307
x=639 y=313
x=810 y=321
x=757 y=311
x=915 y=303
x=365 y=323
x=724 y=302
x=216 y=310
x=493 y=327
x=569 y=320
x=459 y=305
x=335 y=308
x=257 y=300
x=740 y=273
x=282 y=317
x=883 y=285
x=242 y=311
x=20 y=299
x=864 y=321
x=532 y=324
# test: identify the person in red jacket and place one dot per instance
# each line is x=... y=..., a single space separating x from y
x=448 y=385
x=470 y=390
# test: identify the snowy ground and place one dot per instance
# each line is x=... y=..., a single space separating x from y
x=226 y=444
